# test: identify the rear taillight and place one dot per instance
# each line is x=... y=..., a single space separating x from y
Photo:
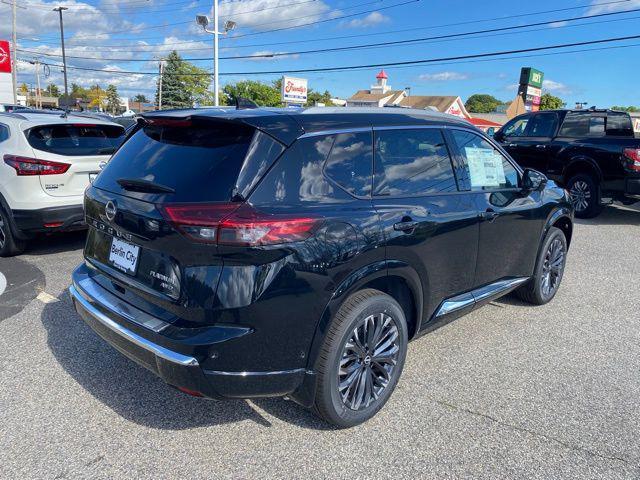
x=237 y=224
x=633 y=155
x=32 y=166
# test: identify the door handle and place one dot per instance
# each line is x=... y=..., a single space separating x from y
x=512 y=145
x=405 y=226
x=489 y=215
x=541 y=146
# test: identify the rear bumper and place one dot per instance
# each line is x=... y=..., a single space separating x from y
x=632 y=187
x=50 y=219
x=138 y=336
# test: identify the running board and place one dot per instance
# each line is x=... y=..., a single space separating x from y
x=479 y=295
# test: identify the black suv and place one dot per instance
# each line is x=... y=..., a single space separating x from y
x=593 y=153
x=251 y=253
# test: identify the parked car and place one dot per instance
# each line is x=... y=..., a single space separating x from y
x=592 y=153
x=10 y=107
x=253 y=253
x=48 y=159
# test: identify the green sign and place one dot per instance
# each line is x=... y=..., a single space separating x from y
x=531 y=76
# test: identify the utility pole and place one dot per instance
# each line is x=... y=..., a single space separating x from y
x=14 y=66
x=36 y=62
x=64 y=58
x=160 y=71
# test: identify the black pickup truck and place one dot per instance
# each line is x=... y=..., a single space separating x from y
x=594 y=154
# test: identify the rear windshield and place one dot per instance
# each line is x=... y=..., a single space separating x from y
x=199 y=162
x=76 y=139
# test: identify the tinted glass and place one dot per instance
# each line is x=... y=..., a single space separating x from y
x=412 y=162
x=200 y=162
x=4 y=133
x=578 y=124
x=297 y=177
x=543 y=125
x=619 y=123
x=349 y=163
x=516 y=127
x=484 y=168
x=68 y=139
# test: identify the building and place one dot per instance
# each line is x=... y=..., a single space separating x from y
x=382 y=95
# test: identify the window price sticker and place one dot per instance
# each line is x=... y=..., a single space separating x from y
x=485 y=167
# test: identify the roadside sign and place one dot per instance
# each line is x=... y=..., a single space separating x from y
x=6 y=82
x=294 y=90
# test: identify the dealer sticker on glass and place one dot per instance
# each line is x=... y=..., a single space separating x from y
x=123 y=255
x=485 y=167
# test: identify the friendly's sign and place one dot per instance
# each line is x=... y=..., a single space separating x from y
x=6 y=84
x=294 y=90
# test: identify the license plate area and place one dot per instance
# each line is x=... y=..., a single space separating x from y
x=124 y=256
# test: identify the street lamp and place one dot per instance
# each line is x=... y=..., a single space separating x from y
x=229 y=25
x=64 y=58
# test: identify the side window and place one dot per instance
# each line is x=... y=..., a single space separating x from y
x=578 y=124
x=516 y=127
x=543 y=125
x=349 y=163
x=4 y=133
x=619 y=123
x=484 y=168
x=297 y=176
x=412 y=162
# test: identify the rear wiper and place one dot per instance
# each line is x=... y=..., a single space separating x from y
x=145 y=186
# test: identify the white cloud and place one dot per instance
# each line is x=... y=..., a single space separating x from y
x=271 y=14
x=371 y=20
x=606 y=7
x=556 y=87
x=444 y=76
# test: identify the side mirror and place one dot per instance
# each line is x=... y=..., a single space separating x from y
x=533 y=180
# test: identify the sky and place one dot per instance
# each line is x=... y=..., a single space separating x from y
x=113 y=32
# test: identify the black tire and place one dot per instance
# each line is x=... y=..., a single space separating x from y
x=9 y=244
x=534 y=291
x=373 y=308
x=584 y=192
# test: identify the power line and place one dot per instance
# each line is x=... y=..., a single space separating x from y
x=343 y=37
x=385 y=65
x=361 y=46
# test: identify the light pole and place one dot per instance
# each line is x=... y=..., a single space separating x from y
x=203 y=21
x=64 y=58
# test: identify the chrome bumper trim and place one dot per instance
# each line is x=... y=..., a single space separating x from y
x=254 y=374
x=134 y=338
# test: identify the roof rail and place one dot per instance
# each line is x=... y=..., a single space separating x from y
x=13 y=115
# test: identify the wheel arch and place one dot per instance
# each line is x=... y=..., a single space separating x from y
x=581 y=164
x=560 y=218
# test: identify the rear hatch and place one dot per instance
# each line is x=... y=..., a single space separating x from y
x=170 y=171
x=79 y=148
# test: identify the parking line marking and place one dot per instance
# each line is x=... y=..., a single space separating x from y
x=3 y=283
x=44 y=297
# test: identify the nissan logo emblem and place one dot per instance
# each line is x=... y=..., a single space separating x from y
x=110 y=210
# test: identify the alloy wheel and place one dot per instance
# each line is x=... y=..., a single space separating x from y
x=368 y=361
x=553 y=267
x=3 y=237
x=580 y=195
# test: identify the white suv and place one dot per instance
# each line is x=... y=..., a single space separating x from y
x=46 y=162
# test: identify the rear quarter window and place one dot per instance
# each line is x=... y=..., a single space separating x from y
x=76 y=139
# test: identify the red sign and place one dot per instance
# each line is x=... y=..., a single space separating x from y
x=5 y=57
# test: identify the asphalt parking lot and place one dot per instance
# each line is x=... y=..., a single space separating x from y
x=509 y=391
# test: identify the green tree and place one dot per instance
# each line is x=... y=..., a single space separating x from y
x=79 y=92
x=263 y=94
x=313 y=98
x=183 y=83
x=630 y=108
x=113 y=99
x=482 y=103
x=550 y=102
x=52 y=90
x=140 y=98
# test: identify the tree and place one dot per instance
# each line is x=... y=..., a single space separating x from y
x=23 y=89
x=79 y=92
x=263 y=94
x=53 y=90
x=97 y=96
x=482 y=103
x=550 y=102
x=313 y=98
x=113 y=99
x=183 y=83
x=140 y=98
x=630 y=108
